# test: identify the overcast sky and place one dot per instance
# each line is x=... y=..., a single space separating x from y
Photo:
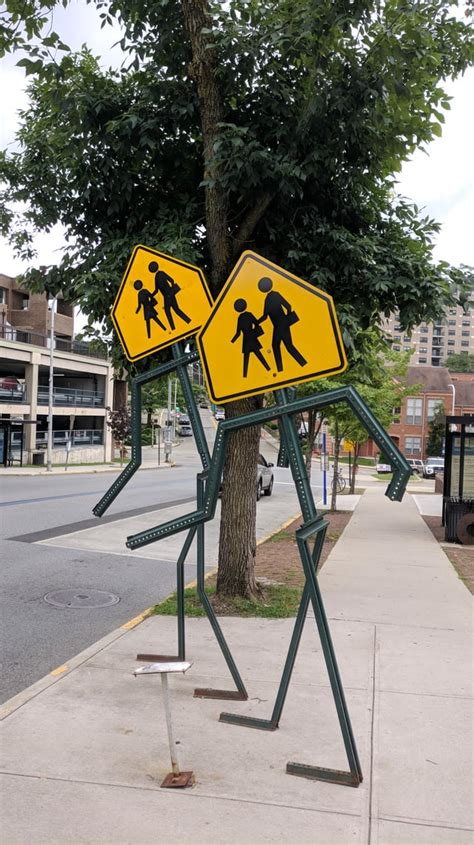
x=441 y=181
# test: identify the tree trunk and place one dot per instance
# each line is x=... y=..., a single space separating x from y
x=315 y=422
x=203 y=72
x=237 y=543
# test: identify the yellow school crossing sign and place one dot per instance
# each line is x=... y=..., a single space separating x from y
x=160 y=300
x=268 y=329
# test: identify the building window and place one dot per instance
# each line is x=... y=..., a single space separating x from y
x=452 y=311
x=396 y=337
x=451 y=322
x=397 y=328
x=466 y=322
x=423 y=350
x=407 y=338
x=3 y=296
x=465 y=334
x=414 y=411
x=464 y=343
x=413 y=445
x=451 y=343
x=422 y=360
x=432 y=407
x=423 y=340
x=396 y=348
x=452 y=331
x=25 y=302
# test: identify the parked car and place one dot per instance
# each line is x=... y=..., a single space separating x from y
x=11 y=389
x=264 y=478
x=381 y=468
x=183 y=426
x=417 y=465
x=432 y=466
x=203 y=403
x=219 y=414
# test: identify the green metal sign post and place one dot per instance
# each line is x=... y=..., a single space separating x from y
x=314 y=526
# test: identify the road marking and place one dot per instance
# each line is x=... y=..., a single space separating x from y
x=60 y=670
x=132 y=623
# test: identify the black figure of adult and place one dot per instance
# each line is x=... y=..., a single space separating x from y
x=147 y=301
x=278 y=310
x=248 y=327
x=168 y=289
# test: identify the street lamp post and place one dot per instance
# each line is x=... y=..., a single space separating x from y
x=52 y=307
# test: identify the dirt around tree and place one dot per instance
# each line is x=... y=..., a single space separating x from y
x=461 y=557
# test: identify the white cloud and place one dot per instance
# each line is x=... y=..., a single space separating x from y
x=443 y=181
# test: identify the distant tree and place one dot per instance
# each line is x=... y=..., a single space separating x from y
x=461 y=362
x=436 y=431
x=120 y=424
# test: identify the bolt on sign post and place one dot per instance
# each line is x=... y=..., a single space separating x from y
x=161 y=300
x=268 y=329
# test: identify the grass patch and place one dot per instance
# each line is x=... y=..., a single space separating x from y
x=281 y=535
x=278 y=601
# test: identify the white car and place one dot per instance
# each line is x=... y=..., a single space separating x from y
x=219 y=414
x=381 y=468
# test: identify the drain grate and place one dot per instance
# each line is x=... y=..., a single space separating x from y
x=76 y=598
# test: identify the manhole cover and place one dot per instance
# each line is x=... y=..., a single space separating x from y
x=77 y=598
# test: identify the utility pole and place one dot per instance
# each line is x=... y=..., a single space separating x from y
x=52 y=308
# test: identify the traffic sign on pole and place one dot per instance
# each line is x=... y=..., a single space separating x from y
x=161 y=300
x=268 y=329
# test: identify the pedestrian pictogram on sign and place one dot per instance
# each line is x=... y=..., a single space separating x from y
x=161 y=300
x=268 y=329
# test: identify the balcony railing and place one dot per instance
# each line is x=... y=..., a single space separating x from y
x=84 y=437
x=68 y=396
x=78 y=347
x=13 y=394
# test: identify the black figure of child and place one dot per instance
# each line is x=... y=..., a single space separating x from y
x=147 y=301
x=248 y=327
x=282 y=316
x=169 y=290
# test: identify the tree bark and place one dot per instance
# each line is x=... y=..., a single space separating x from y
x=237 y=542
x=203 y=72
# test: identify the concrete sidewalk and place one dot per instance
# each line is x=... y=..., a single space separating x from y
x=84 y=751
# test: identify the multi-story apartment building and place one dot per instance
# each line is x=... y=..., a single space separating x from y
x=83 y=382
x=434 y=386
x=432 y=343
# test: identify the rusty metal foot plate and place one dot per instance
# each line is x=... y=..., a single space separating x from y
x=248 y=722
x=180 y=781
x=228 y=695
x=328 y=775
x=159 y=658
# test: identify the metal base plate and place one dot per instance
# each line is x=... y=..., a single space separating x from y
x=328 y=775
x=159 y=658
x=180 y=781
x=229 y=695
x=248 y=722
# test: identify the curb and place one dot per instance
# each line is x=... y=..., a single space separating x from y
x=26 y=695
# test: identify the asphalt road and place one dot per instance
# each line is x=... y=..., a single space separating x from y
x=38 y=636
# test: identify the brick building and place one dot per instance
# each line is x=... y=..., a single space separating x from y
x=437 y=385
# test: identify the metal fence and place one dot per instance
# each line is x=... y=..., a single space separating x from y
x=72 y=396
x=78 y=347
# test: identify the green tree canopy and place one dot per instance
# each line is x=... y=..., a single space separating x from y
x=460 y=362
x=318 y=106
